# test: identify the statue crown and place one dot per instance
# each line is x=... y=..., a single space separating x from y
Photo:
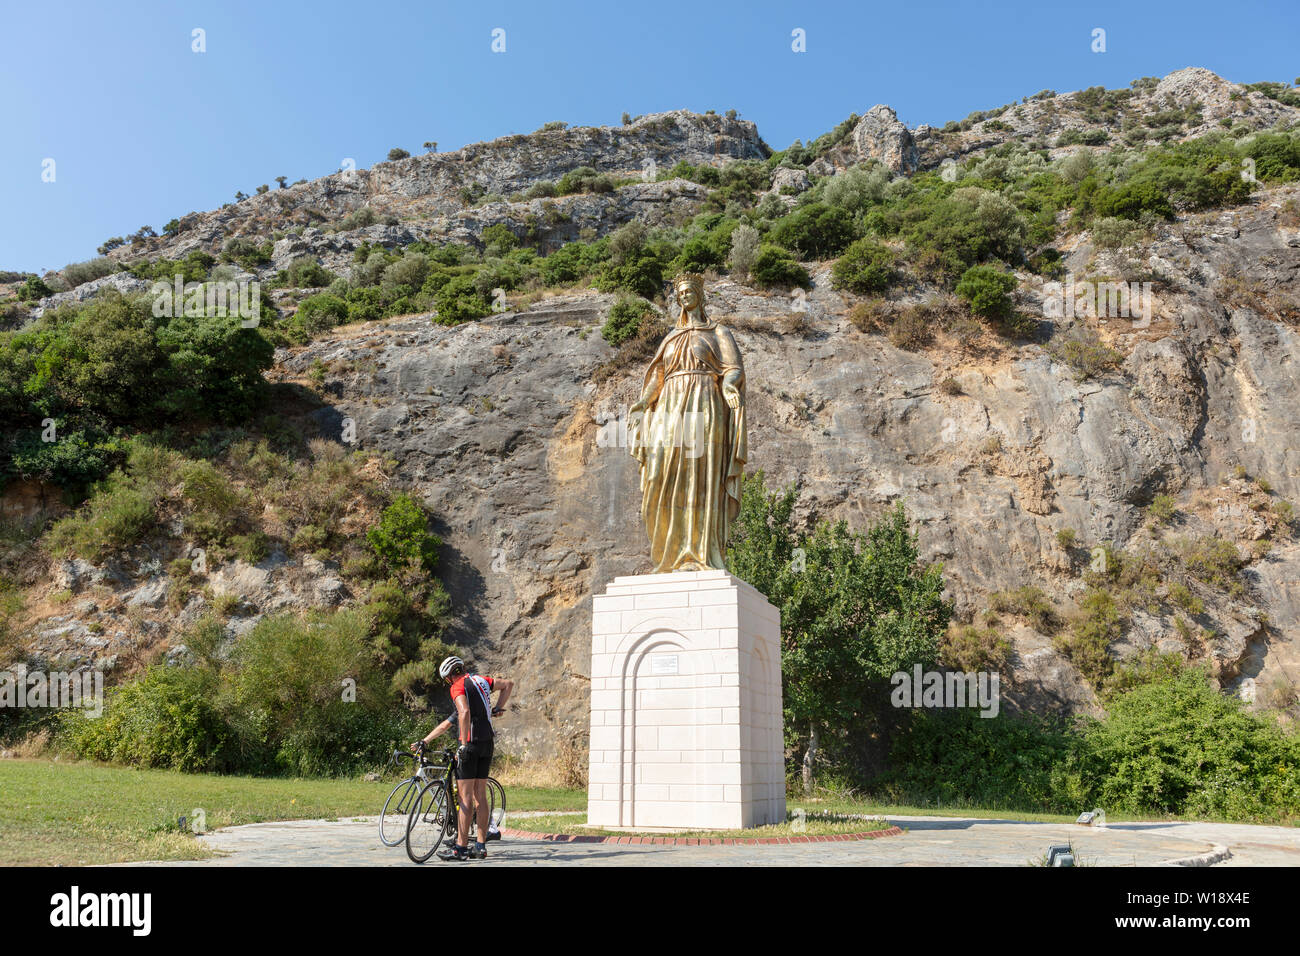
x=692 y=279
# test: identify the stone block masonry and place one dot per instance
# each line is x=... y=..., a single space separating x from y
x=685 y=704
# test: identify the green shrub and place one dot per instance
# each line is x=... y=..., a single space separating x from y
x=402 y=538
x=79 y=273
x=498 y=239
x=1028 y=602
x=584 y=179
x=113 y=360
x=954 y=757
x=288 y=697
x=252 y=547
x=857 y=189
x=246 y=252
x=1182 y=596
x=624 y=319
x=1213 y=561
x=640 y=274
x=459 y=301
x=949 y=234
x=775 y=268
x=305 y=273
x=75 y=460
x=1276 y=155
x=34 y=288
x=366 y=304
x=744 y=249
x=118 y=515
x=1162 y=509
x=213 y=505
x=970 y=649
x=1087 y=643
x=319 y=313
x=987 y=290
x=356 y=219
x=815 y=231
x=1179 y=746
x=408 y=272
x=165 y=719
x=866 y=267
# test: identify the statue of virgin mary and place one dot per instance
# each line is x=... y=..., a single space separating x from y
x=688 y=432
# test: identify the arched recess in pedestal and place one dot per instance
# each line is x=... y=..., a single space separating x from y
x=639 y=785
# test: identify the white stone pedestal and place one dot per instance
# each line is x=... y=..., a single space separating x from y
x=685 y=704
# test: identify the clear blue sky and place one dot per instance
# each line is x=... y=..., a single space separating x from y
x=142 y=129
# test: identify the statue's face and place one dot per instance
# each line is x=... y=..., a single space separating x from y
x=687 y=296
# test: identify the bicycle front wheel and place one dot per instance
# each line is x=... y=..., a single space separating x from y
x=397 y=808
x=427 y=821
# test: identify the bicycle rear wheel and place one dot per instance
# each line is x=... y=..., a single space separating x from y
x=496 y=803
x=397 y=808
x=427 y=821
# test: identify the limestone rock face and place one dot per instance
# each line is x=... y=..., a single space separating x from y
x=880 y=135
x=121 y=281
x=786 y=180
x=432 y=188
x=513 y=446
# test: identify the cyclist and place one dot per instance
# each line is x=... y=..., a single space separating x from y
x=472 y=696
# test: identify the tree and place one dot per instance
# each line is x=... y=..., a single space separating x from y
x=283 y=181
x=397 y=153
x=263 y=189
x=855 y=608
x=431 y=145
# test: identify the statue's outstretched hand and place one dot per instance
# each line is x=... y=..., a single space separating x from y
x=731 y=394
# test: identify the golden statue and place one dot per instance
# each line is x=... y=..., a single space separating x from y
x=688 y=432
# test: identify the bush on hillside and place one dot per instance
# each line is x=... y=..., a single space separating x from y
x=773 y=267
x=625 y=318
x=866 y=267
x=815 y=231
x=987 y=290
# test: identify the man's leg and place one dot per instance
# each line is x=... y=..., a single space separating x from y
x=465 y=793
x=481 y=808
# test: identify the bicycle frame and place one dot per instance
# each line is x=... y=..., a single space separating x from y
x=453 y=795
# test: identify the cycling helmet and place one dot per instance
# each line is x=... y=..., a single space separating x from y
x=450 y=666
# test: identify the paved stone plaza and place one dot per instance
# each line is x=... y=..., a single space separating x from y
x=928 y=841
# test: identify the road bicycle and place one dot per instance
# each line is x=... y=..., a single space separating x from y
x=433 y=816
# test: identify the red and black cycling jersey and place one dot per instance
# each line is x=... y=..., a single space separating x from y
x=477 y=691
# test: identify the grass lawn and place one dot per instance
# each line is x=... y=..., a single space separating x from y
x=84 y=813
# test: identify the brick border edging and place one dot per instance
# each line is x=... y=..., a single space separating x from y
x=700 y=841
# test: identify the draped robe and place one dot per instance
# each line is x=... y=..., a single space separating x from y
x=692 y=448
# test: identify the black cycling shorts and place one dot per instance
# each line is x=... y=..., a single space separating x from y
x=475 y=761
